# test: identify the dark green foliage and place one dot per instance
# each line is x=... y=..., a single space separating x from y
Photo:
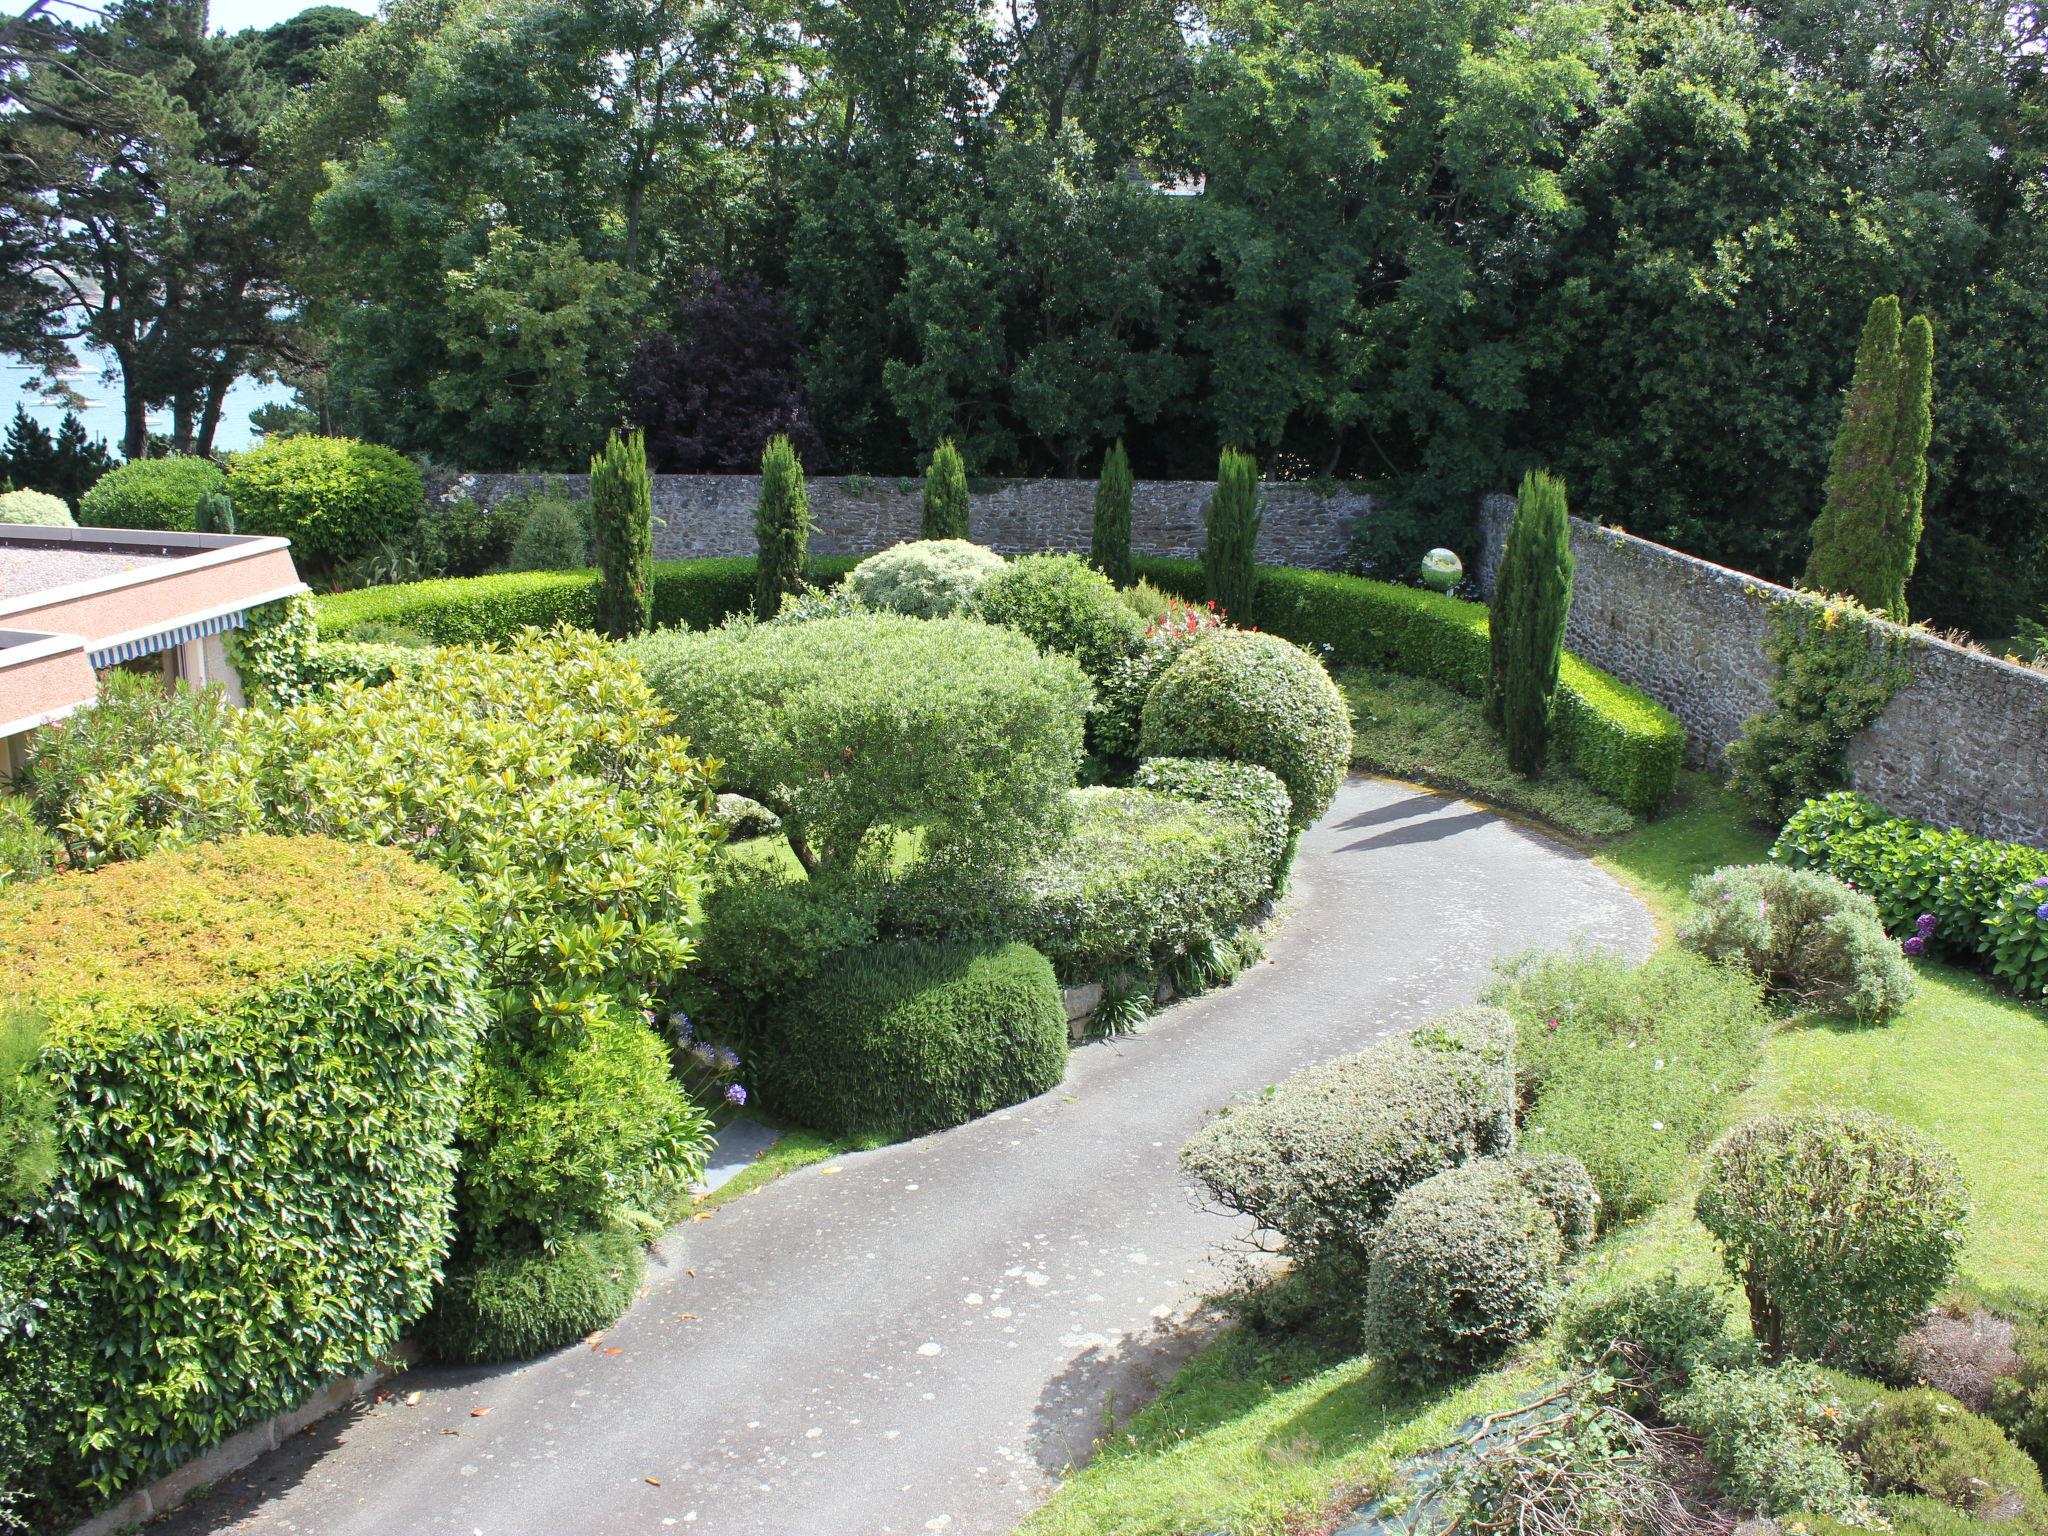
x=64 y=464
x=1773 y=1436
x=519 y=1305
x=1836 y=672
x=946 y=513
x=622 y=532
x=1807 y=936
x=1322 y=1157
x=214 y=513
x=1532 y=597
x=902 y=1039
x=1559 y=1183
x=456 y=536
x=1925 y=1443
x=151 y=493
x=1463 y=1267
x=27 y=851
x=1843 y=1228
x=1230 y=535
x=782 y=528
x=1254 y=698
x=28 y=1110
x=763 y=932
x=49 y=1338
x=1109 y=539
x=1388 y=543
x=1655 y=1334
x=1867 y=537
x=554 y=535
x=333 y=497
x=1632 y=1070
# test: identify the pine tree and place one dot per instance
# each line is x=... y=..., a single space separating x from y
x=1867 y=537
x=782 y=527
x=622 y=526
x=1532 y=597
x=213 y=513
x=1231 y=535
x=1109 y=544
x=945 y=494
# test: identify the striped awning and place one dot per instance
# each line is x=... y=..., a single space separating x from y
x=164 y=640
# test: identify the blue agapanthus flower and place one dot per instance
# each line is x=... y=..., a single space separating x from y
x=735 y=1095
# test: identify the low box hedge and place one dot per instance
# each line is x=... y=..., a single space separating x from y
x=1623 y=742
x=259 y=1048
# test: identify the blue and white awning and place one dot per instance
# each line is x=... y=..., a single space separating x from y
x=164 y=640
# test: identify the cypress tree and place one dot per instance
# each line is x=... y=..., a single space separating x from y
x=1231 y=535
x=1109 y=544
x=622 y=527
x=945 y=494
x=1867 y=537
x=1532 y=596
x=214 y=512
x=782 y=527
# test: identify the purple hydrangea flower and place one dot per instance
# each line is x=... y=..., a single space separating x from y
x=735 y=1095
x=1925 y=927
x=2042 y=911
x=728 y=1059
x=1916 y=946
x=2041 y=884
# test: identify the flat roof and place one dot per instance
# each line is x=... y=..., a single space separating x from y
x=27 y=568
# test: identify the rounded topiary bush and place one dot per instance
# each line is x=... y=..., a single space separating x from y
x=1560 y=1184
x=520 y=1305
x=151 y=493
x=1924 y=1442
x=899 y=1039
x=34 y=509
x=927 y=579
x=1463 y=1268
x=1064 y=604
x=1843 y=1229
x=554 y=536
x=1805 y=935
x=333 y=497
x=1257 y=699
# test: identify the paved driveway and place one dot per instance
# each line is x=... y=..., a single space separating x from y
x=920 y=1338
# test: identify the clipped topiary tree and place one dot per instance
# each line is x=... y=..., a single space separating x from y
x=1109 y=542
x=333 y=497
x=214 y=513
x=1231 y=534
x=927 y=578
x=1867 y=537
x=622 y=527
x=1532 y=596
x=34 y=509
x=945 y=494
x=782 y=528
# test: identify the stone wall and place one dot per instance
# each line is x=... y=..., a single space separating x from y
x=1963 y=744
x=703 y=515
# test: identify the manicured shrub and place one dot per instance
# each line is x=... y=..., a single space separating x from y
x=782 y=528
x=214 y=1014
x=946 y=513
x=1257 y=699
x=1064 y=606
x=519 y=1305
x=928 y=579
x=151 y=493
x=27 y=851
x=35 y=509
x=1924 y=1442
x=1109 y=536
x=622 y=535
x=1230 y=533
x=215 y=513
x=49 y=1346
x=1843 y=1229
x=1559 y=1183
x=333 y=497
x=554 y=536
x=857 y=728
x=28 y=1110
x=1773 y=1435
x=476 y=610
x=1632 y=1070
x=1252 y=791
x=1656 y=1334
x=1463 y=1267
x=1120 y=694
x=1321 y=1158
x=1805 y=935
x=1532 y=596
x=901 y=1039
x=764 y=932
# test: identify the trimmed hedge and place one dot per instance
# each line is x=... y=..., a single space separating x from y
x=1253 y=792
x=259 y=1048
x=1623 y=742
x=151 y=493
x=902 y=1039
x=521 y=1305
x=333 y=497
x=1320 y=1158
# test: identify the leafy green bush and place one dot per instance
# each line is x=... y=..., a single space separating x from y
x=1805 y=935
x=28 y=1110
x=928 y=579
x=1924 y=1442
x=1624 y=743
x=518 y=1305
x=1632 y=1070
x=764 y=932
x=1322 y=1157
x=458 y=536
x=1463 y=1267
x=150 y=493
x=1120 y=693
x=901 y=1039
x=554 y=535
x=214 y=1014
x=2019 y=1402
x=1843 y=1229
x=1064 y=605
x=1773 y=1435
x=1257 y=699
x=333 y=497
x=1246 y=788
x=877 y=723
x=1559 y=1183
x=35 y=509
x=1656 y=1334
x=27 y=851
x=49 y=1341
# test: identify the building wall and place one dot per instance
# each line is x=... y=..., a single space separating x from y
x=1964 y=743
x=697 y=516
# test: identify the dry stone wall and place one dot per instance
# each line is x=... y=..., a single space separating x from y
x=698 y=516
x=1963 y=744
